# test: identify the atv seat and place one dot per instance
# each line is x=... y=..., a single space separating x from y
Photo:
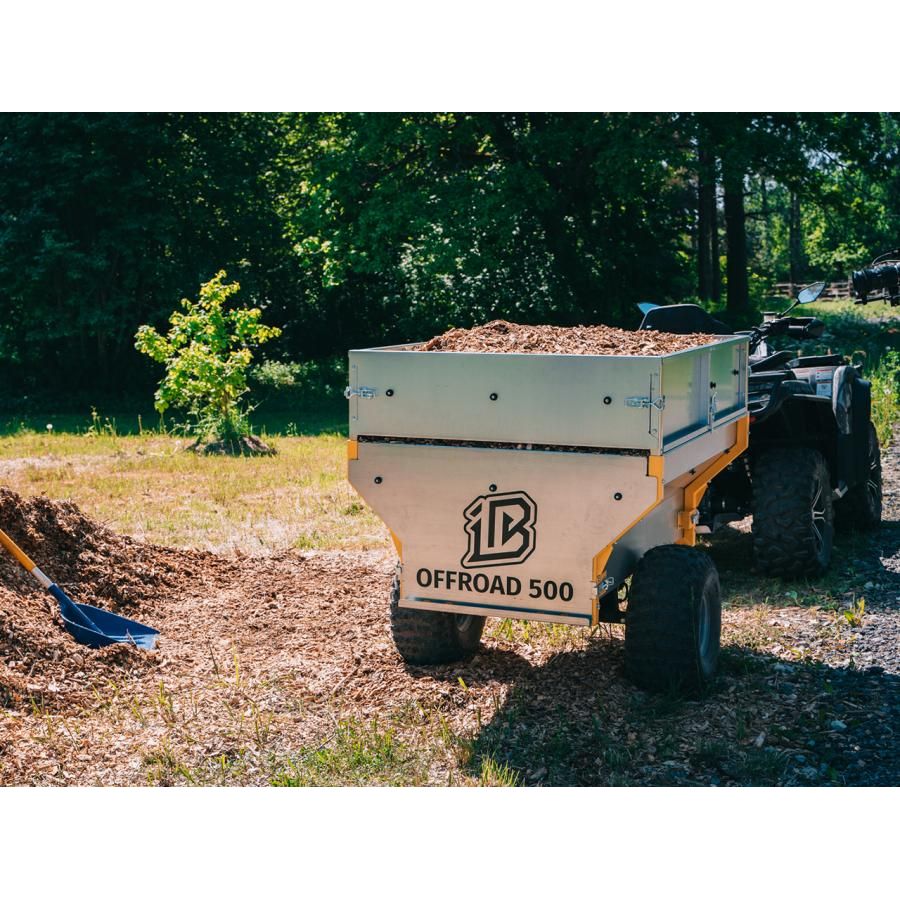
x=776 y=361
x=683 y=318
x=807 y=362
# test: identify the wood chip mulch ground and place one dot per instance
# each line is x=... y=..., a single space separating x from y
x=263 y=661
x=500 y=336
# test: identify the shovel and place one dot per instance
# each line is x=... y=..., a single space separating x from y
x=87 y=624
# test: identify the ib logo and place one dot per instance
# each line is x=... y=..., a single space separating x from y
x=500 y=529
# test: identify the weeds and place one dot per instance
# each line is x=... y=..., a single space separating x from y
x=358 y=753
x=616 y=758
x=100 y=427
x=460 y=747
x=164 y=768
x=137 y=711
x=262 y=725
x=494 y=774
x=709 y=754
x=885 y=378
x=165 y=705
x=236 y=668
x=760 y=767
x=854 y=615
x=524 y=631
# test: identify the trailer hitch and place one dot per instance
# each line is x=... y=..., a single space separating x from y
x=608 y=604
x=608 y=610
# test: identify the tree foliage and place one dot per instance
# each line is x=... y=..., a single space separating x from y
x=105 y=220
x=408 y=223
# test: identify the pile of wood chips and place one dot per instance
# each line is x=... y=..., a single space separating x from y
x=500 y=336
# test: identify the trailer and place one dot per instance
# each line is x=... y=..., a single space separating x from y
x=535 y=486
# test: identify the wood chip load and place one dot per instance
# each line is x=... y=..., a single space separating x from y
x=500 y=336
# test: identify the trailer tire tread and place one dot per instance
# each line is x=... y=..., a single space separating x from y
x=425 y=638
x=662 y=623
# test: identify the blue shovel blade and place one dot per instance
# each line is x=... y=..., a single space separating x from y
x=96 y=627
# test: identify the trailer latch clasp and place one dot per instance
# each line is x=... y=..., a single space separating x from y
x=364 y=393
x=646 y=402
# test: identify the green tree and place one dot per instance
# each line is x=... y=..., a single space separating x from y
x=856 y=213
x=791 y=158
x=207 y=354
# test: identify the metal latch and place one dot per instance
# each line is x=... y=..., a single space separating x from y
x=605 y=586
x=364 y=393
x=646 y=402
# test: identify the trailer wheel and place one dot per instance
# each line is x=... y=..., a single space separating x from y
x=860 y=507
x=673 y=621
x=793 y=515
x=425 y=638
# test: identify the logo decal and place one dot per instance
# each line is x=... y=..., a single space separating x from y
x=500 y=529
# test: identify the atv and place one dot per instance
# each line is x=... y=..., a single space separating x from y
x=813 y=462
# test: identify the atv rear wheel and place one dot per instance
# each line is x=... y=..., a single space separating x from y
x=860 y=507
x=425 y=638
x=793 y=515
x=673 y=621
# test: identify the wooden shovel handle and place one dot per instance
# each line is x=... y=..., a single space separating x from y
x=16 y=551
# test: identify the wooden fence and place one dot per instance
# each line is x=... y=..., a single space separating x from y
x=836 y=290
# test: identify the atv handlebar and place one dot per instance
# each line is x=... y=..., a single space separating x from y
x=805 y=327
x=799 y=327
x=794 y=326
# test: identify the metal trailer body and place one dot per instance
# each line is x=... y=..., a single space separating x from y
x=530 y=485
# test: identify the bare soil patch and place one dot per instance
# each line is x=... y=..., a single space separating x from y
x=500 y=336
x=246 y=445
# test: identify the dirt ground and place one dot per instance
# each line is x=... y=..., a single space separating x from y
x=269 y=668
x=500 y=336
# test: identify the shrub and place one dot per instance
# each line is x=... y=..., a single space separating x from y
x=207 y=353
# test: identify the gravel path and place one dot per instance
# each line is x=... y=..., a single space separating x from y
x=847 y=679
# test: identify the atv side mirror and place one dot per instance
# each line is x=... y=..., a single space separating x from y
x=811 y=292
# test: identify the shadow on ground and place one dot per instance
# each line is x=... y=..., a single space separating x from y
x=822 y=708
x=862 y=564
x=575 y=721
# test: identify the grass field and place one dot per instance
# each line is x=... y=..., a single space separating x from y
x=149 y=487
